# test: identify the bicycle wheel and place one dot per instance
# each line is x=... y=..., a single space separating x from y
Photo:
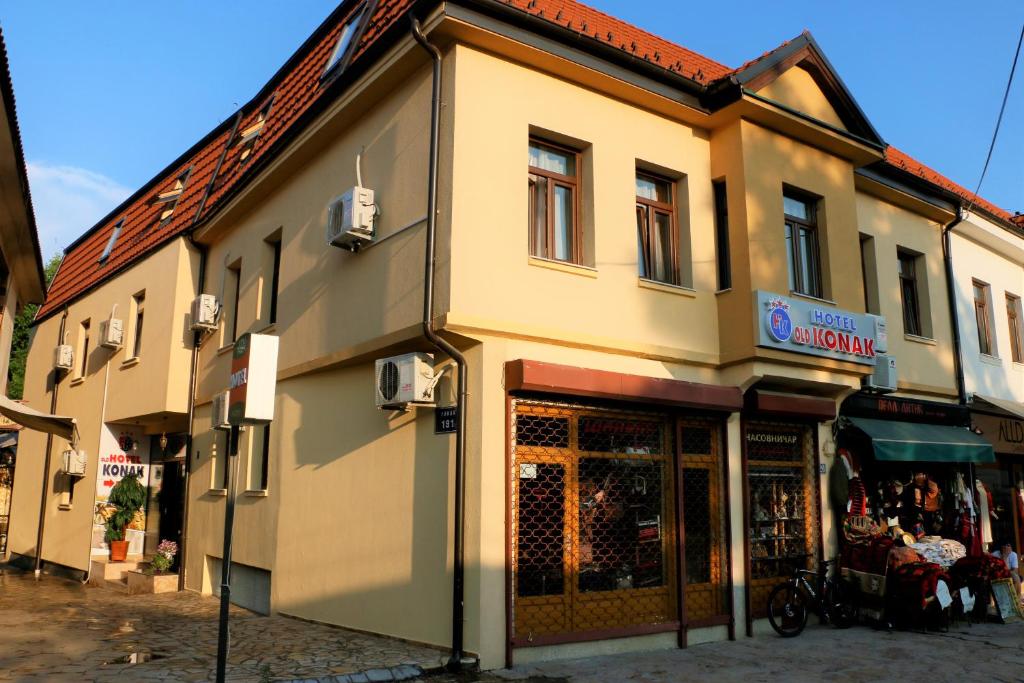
x=787 y=610
x=842 y=604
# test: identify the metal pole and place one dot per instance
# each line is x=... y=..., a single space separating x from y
x=225 y=569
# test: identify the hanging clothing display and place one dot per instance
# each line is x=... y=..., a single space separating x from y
x=984 y=520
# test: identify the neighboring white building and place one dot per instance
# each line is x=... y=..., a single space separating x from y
x=988 y=273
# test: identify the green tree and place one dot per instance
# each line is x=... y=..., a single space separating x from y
x=23 y=335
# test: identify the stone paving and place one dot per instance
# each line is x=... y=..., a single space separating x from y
x=982 y=652
x=61 y=631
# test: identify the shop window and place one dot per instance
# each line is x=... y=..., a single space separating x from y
x=983 y=317
x=781 y=504
x=909 y=298
x=553 y=200
x=704 y=521
x=802 y=253
x=657 y=235
x=593 y=529
x=1013 y=317
x=722 y=235
x=869 y=274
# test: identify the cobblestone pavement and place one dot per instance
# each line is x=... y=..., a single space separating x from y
x=59 y=630
x=982 y=652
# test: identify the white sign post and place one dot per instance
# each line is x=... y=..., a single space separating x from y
x=252 y=386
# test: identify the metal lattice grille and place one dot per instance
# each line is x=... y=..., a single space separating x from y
x=781 y=504
x=592 y=504
x=704 y=520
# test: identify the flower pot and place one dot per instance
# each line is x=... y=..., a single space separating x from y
x=118 y=551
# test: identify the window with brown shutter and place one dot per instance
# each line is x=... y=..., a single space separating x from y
x=1013 y=315
x=981 y=315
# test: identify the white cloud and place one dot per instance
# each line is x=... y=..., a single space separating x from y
x=68 y=201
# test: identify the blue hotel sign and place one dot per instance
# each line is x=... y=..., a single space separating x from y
x=800 y=326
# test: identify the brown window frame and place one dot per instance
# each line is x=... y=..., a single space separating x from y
x=555 y=180
x=140 y=312
x=908 y=285
x=795 y=224
x=653 y=208
x=981 y=316
x=1014 y=323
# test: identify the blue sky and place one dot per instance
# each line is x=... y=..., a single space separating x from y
x=107 y=97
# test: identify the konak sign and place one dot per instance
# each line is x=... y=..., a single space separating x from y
x=800 y=326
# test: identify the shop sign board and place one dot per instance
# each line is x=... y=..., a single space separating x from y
x=124 y=451
x=253 y=379
x=904 y=409
x=801 y=326
x=1006 y=434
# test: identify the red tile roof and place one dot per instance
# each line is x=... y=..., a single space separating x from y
x=904 y=161
x=605 y=28
x=297 y=87
x=294 y=90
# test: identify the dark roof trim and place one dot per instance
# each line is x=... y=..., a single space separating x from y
x=7 y=94
x=805 y=51
x=921 y=190
x=880 y=146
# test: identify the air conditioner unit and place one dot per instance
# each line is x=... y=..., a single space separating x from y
x=404 y=380
x=111 y=333
x=350 y=219
x=74 y=463
x=63 y=357
x=220 y=411
x=884 y=377
x=205 y=312
x=881 y=334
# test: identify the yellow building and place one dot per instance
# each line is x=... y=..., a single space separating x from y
x=658 y=333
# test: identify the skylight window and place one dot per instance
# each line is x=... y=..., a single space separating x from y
x=344 y=41
x=246 y=140
x=112 y=241
x=170 y=197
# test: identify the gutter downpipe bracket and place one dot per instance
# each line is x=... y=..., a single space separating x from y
x=458 y=661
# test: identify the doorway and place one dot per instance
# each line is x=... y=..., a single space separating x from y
x=165 y=509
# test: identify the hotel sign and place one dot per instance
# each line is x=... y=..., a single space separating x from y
x=253 y=379
x=801 y=326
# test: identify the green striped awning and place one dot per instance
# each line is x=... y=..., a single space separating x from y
x=912 y=442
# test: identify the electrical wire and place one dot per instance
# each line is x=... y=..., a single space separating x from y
x=999 y=121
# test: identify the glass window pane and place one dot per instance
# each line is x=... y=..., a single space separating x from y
x=549 y=159
x=641 y=240
x=796 y=208
x=697 y=520
x=663 y=248
x=809 y=263
x=541 y=530
x=620 y=524
x=789 y=257
x=538 y=214
x=563 y=220
x=653 y=189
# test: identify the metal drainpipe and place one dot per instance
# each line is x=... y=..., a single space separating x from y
x=197 y=337
x=456 y=661
x=46 y=460
x=947 y=259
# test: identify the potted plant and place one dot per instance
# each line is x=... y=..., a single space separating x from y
x=127 y=497
x=156 y=578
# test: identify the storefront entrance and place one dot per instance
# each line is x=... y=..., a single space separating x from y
x=165 y=508
x=782 y=505
x=597 y=522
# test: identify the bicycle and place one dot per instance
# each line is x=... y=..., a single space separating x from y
x=790 y=602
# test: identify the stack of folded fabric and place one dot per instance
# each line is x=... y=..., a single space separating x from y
x=943 y=551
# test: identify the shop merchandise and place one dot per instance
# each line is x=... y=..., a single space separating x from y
x=942 y=551
x=984 y=513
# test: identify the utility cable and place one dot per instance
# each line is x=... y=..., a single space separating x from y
x=999 y=121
